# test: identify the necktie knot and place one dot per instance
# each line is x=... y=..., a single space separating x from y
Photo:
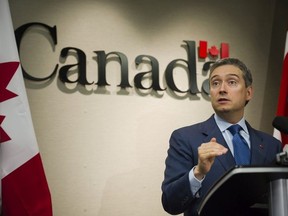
x=235 y=129
x=241 y=148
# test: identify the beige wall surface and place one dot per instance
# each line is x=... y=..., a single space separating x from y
x=104 y=150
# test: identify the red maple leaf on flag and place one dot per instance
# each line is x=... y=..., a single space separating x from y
x=3 y=135
x=7 y=71
x=213 y=51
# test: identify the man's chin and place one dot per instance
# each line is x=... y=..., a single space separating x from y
x=223 y=110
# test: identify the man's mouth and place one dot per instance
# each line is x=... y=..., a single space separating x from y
x=221 y=100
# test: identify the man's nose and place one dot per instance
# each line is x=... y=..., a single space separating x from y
x=222 y=87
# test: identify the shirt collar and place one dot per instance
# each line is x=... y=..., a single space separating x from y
x=223 y=125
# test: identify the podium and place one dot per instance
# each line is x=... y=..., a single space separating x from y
x=248 y=191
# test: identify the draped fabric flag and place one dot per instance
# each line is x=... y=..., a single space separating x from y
x=282 y=109
x=24 y=186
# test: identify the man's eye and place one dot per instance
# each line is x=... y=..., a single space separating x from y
x=215 y=83
x=232 y=82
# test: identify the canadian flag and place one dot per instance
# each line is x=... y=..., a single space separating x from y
x=24 y=186
x=282 y=109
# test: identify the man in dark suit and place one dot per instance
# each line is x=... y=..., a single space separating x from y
x=201 y=154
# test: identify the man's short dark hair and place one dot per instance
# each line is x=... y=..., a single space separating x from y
x=236 y=62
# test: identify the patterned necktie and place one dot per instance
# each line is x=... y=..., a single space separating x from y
x=241 y=148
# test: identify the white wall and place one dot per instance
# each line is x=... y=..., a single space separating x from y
x=104 y=153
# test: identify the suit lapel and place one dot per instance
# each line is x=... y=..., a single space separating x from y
x=258 y=147
x=210 y=130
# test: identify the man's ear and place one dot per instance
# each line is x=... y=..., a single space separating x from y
x=249 y=93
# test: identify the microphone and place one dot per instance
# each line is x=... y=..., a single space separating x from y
x=281 y=124
x=282 y=158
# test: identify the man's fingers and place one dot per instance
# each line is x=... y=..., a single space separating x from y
x=213 y=139
x=211 y=149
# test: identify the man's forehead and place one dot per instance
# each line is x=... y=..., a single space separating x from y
x=226 y=70
x=228 y=74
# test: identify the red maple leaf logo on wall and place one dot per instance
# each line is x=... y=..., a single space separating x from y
x=7 y=71
x=213 y=51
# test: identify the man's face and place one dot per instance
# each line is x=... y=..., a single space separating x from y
x=228 y=91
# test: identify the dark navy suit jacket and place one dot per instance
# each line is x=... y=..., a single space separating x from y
x=183 y=156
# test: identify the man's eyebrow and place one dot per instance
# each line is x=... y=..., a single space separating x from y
x=231 y=74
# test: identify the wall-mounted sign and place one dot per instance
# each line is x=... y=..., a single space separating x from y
x=102 y=57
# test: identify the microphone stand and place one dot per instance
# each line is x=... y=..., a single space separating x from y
x=279 y=190
x=278 y=197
